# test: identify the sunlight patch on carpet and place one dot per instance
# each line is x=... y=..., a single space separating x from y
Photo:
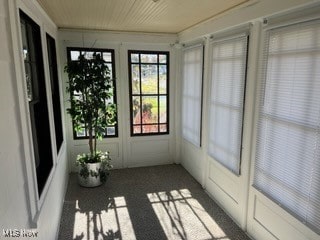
x=182 y=216
x=103 y=224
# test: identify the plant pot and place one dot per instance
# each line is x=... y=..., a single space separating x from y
x=93 y=180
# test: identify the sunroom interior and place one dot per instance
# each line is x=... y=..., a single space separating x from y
x=234 y=101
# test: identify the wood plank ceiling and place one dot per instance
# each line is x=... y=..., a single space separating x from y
x=166 y=16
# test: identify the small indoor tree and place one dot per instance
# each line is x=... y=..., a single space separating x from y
x=91 y=90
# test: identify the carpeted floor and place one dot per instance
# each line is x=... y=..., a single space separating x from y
x=162 y=202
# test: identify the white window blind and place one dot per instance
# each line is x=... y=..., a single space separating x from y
x=287 y=167
x=192 y=94
x=228 y=76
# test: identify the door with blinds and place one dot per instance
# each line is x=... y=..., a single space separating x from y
x=287 y=161
x=192 y=64
x=228 y=67
x=191 y=109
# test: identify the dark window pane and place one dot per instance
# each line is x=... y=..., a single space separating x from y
x=163 y=109
x=31 y=44
x=149 y=58
x=111 y=131
x=135 y=75
x=81 y=132
x=38 y=106
x=163 y=79
x=149 y=79
x=150 y=128
x=24 y=42
x=107 y=56
x=28 y=80
x=150 y=109
x=134 y=58
x=136 y=113
x=88 y=55
x=163 y=128
x=109 y=65
x=52 y=58
x=162 y=58
x=137 y=129
x=75 y=55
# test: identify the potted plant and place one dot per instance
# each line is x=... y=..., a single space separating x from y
x=91 y=89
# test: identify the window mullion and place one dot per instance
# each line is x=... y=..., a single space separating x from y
x=158 y=90
x=149 y=63
x=140 y=97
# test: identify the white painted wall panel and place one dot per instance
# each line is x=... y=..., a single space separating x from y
x=149 y=147
x=192 y=159
x=49 y=219
x=81 y=147
x=225 y=180
x=269 y=221
x=13 y=196
x=149 y=152
x=15 y=209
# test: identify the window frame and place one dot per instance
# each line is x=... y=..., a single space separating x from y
x=113 y=74
x=55 y=90
x=131 y=95
x=38 y=106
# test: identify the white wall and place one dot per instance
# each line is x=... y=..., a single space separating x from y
x=255 y=213
x=126 y=151
x=12 y=177
x=20 y=207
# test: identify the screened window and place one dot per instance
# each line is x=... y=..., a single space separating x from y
x=287 y=167
x=149 y=98
x=192 y=61
x=37 y=99
x=52 y=57
x=108 y=57
x=228 y=75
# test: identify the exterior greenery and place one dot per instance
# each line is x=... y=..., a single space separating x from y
x=91 y=88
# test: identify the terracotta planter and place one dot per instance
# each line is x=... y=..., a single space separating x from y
x=92 y=180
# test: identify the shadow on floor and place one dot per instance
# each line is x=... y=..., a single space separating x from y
x=162 y=202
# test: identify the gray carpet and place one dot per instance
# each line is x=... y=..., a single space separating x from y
x=162 y=202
